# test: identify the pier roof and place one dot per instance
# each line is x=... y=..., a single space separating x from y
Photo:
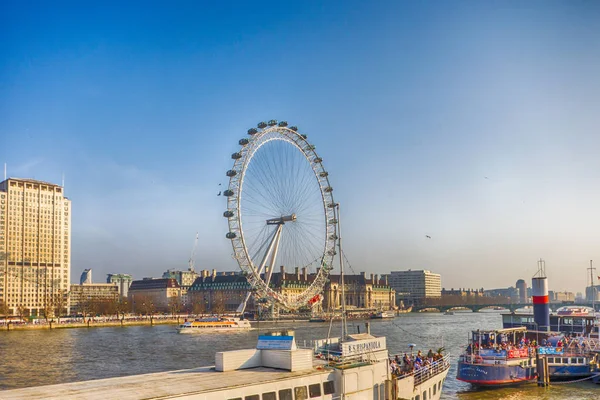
x=161 y=385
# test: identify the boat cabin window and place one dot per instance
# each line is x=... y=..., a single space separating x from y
x=269 y=396
x=314 y=390
x=565 y=360
x=300 y=393
x=550 y=360
x=434 y=389
x=285 y=394
x=328 y=387
x=581 y=361
x=252 y=397
x=424 y=395
x=440 y=385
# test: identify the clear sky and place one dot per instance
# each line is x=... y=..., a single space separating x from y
x=476 y=123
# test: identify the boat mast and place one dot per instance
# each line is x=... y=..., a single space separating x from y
x=593 y=288
x=339 y=234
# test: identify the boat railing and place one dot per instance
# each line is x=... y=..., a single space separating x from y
x=427 y=371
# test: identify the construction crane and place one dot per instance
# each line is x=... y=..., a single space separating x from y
x=192 y=262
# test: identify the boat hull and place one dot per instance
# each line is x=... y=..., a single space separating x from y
x=569 y=372
x=210 y=330
x=494 y=375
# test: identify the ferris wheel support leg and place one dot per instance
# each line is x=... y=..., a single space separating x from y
x=274 y=258
x=269 y=250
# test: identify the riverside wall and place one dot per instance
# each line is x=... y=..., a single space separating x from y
x=88 y=324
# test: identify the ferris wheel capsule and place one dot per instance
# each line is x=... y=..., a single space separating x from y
x=262 y=125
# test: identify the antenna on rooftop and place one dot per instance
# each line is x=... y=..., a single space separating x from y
x=63 y=180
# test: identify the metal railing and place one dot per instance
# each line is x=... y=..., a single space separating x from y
x=426 y=372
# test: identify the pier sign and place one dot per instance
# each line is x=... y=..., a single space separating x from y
x=276 y=343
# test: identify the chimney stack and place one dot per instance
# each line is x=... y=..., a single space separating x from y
x=304 y=274
x=363 y=274
x=386 y=280
x=214 y=274
x=373 y=278
x=297 y=272
x=376 y=281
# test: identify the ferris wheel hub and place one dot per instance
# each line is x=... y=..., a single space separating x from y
x=282 y=220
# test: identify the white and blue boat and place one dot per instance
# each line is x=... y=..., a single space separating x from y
x=486 y=363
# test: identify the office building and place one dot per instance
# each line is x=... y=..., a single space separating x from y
x=184 y=278
x=151 y=295
x=592 y=293
x=86 y=277
x=511 y=292
x=123 y=281
x=521 y=286
x=414 y=286
x=35 y=244
x=462 y=292
x=561 y=297
x=89 y=297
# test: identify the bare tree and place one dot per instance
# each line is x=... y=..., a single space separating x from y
x=145 y=305
x=121 y=307
x=217 y=305
x=60 y=304
x=84 y=308
x=175 y=306
x=4 y=309
x=21 y=311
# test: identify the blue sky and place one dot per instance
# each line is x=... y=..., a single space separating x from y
x=473 y=122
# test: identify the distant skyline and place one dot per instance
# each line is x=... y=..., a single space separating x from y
x=460 y=137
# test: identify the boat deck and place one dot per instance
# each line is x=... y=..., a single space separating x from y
x=160 y=385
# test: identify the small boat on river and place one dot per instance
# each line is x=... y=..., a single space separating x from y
x=215 y=324
x=383 y=315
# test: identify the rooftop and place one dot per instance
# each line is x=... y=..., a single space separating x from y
x=28 y=180
x=161 y=385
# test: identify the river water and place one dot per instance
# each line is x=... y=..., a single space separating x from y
x=32 y=358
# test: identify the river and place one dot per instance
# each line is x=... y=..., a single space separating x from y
x=32 y=358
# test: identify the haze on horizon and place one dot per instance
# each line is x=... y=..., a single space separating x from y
x=473 y=123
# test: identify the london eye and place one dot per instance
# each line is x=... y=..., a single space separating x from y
x=281 y=212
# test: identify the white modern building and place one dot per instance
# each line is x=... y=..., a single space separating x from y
x=35 y=245
x=86 y=277
x=123 y=281
x=413 y=286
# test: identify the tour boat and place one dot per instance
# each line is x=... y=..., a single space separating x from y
x=383 y=315
x=212 y=324
x=493 y=366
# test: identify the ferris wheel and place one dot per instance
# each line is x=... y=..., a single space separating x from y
x=281 y=212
